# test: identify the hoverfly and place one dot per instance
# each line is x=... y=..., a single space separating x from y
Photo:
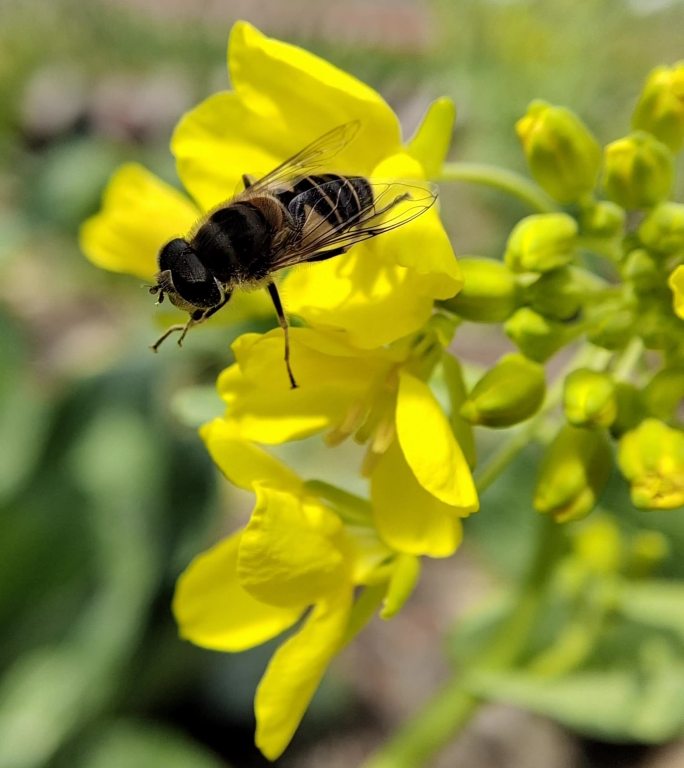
x=294 y=214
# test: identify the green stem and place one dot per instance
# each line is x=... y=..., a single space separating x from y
x=628 y=359
x=454 y=705
x=499 y=178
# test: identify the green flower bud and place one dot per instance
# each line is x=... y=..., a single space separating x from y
x=508 y=393
x=541 y=242
x=657 y=326
x=489 y=294
x=573 y=473
x=651 y=457
x=641 y=270
x=648 y=550
x=599 y=545
x=603 y=219
x=660 y=109
x=611 y=323
x=630 y=408
x=537 y=337
x=557 y=294
x=589 y=398
x=561 y=152
x=638 y=171
x=662 y=231
x=664 y=393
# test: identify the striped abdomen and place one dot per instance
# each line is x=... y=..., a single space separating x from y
x=325 y=202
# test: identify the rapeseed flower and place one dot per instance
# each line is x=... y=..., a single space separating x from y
x=295 y=561
x=420 y=482
x=284 y=98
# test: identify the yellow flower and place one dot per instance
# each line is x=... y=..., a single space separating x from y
x=295 y=554
x=651 y=457
x=676 y=283
x=284 y=98
x=420 y=482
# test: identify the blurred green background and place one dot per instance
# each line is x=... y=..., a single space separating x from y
x=105 y=490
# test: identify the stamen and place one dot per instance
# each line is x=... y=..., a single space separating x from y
x=352 y=421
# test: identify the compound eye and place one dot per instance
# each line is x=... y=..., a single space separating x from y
x=172 y=252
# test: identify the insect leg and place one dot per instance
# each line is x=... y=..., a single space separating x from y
x=327 y=254
x=179 y=327
x=248 y=180
x=282 y=320
x=194 y=319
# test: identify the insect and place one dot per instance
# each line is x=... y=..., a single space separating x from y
x=295 y=214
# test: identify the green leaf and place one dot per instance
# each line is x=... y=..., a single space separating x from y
x=641 y=702
x=135 y=745
x=655 y=603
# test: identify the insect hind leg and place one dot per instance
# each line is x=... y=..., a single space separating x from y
x=282 y=321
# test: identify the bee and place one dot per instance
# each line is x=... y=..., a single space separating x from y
x=296 y=214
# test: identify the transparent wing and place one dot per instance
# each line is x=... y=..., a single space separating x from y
x=312 y=158
x=317 y=237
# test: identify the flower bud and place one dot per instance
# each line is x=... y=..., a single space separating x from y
x=537 y=337
x=561 y=152
x=589 y=398
x=630 y=408
x=651 y=457
x=638 y=171
x=648 y=550
x=573 y=473
x=611 y=323
x=508 y=393
x=489 y=293
x=662 y=231
x=603 y=219
x=660 y=109
x=599 y=545
x=641 y=270
x=557 y=294
x=541 y=242
x=664 y=393
x=676 y=283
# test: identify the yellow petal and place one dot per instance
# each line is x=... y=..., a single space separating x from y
x=676 y=283
x=430 y=448
x=139 y=214
x=214 y=611
x=285 y=98
x=370 y=303
x=407 y=517
x=244 y=463
x=421 y=244
x=430 y=144
x=259 y=396
x=295 y=672
x=293 y=551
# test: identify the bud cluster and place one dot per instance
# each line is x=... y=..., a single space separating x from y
x=605 y=267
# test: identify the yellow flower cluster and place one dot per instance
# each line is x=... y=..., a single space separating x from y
x=362 y=363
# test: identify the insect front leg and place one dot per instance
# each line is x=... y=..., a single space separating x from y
x=282 y=320
x=183 y=328
x=197 y=317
